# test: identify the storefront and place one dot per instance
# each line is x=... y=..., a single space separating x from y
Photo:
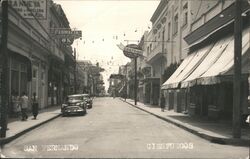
x=204 y=80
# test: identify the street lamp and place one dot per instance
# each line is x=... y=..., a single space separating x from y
x=132 y=51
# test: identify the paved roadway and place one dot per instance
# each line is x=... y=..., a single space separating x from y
x=114 y=129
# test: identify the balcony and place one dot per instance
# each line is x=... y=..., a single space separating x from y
x=155 y=54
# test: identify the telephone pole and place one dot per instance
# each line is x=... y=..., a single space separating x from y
x=135 y=89
x=237 y=70
x=4 y=82
x=75 y=71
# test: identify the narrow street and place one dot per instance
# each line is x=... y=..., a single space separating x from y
x=112 y=128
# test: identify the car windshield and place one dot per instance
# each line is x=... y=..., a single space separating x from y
x=86 y=96
x=75 y=98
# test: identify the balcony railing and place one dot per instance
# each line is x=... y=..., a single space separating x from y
x=155 y=52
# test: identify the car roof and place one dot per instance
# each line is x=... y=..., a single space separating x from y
x=85 y=94
x=75 y=95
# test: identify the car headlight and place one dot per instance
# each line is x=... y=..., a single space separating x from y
x=78 y=104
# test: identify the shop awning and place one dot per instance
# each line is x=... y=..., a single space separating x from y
x=190 y=63
x=223 y=67
x=210 y=66
x=214 y=54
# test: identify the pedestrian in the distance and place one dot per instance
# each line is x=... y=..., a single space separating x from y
x=24 y=106
x=34 y=105
x=125 y=95
x=162 y=102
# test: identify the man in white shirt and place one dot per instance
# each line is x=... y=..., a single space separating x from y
x=24 y=106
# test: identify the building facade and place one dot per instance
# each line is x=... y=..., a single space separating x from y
x=36 y=59
x=203 y=83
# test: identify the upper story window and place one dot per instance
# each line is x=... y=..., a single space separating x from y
x=185 y=14
x=51 y=24
x=175 y=27
x=163 y=35
x=169 y=30
x=155 y=43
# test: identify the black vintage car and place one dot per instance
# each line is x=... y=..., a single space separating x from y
x=88 y=100
x=75 y=104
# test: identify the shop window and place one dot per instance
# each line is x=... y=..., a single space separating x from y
x=42 y=76
x=23 y=82
x=15 y=81
x=23 y=68
x=14 y=65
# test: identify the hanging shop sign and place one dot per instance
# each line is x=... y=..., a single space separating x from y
x=67 y=41
x=66 y=33
x=30 y=9
x=131 y=50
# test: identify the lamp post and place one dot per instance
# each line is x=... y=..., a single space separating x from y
x=237 y=70
x=132 y=51
x=75 y=72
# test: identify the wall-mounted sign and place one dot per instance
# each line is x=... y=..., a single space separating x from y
x=66 y=33
x=131 y=50
x=30 y=9
x=67 y=41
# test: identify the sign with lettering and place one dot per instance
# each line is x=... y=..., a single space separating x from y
x=131 y=50
x=67 y=41
x=66 y=33
x=30 y=9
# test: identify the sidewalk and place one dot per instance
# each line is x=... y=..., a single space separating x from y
x=217 y=132
x=16 y=127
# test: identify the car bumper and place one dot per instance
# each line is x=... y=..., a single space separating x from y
x=73 y=110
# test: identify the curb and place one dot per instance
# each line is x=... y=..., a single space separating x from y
x=213 y=139
x=11 y=138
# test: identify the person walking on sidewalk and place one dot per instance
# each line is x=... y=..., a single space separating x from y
x=24 y=106
x=16 y=104
x=162 y=102
x=34 y=105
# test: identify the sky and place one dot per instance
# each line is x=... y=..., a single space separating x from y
x=104 y=24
